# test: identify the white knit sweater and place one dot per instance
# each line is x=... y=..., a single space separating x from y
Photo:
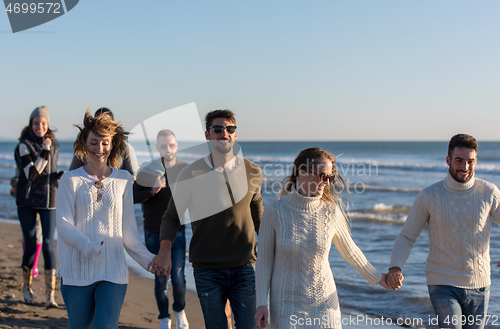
x=458 y=216
x=82 y=223
x=295 y=237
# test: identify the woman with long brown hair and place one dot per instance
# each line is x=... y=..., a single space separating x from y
x=295 y=237
x=36 y=159
x=95 y=221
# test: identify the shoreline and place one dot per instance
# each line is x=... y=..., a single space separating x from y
x=139 y=308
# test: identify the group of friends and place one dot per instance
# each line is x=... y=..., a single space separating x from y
x=221 y=193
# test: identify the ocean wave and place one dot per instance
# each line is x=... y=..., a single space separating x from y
x=392 y=189
x=345 y=166
x=353 y=165
x=382 y=208
x=270 y=159
x=382 y=213
x=273 y=180
x=388 y=218
x=7 y=156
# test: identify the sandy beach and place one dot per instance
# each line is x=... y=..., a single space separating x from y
x=139 y=309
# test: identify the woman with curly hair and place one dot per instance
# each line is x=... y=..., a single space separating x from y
x=295 y=237
x=95 y=220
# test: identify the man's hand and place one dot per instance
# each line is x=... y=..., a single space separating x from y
x=162 y=263
x=394 y=278
x=261 y=316
x=160 y=183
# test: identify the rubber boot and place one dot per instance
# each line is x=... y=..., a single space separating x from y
x=50 y=287
x=29 y=297
x=35 y=262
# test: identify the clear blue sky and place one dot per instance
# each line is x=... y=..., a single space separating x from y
x=290 y=70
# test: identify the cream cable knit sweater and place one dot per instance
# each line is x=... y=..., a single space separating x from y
x=82 y=223
x=458 y=216
x=295 y=237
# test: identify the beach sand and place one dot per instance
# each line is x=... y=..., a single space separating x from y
x=139 y=309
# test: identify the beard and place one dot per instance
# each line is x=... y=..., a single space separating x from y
x=169 y=157
x=222 y=148
x=459 y=178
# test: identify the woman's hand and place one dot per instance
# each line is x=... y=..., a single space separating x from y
x=262 y=316
x=47 y=143
x=383 y=283
x=93 y=250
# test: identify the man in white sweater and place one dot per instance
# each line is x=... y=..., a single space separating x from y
x=458 y=212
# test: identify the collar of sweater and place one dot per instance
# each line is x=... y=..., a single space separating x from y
x=451 y=184
x=303 y=202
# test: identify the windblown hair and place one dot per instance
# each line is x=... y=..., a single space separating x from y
x=462 y=140
x=102 y=125
x=104 y=110
x=27 y=130
x=226 y=114
x=307 y=160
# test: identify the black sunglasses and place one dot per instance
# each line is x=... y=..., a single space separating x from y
x=218 y=129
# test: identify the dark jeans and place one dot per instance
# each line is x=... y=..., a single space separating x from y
x=216 y=286
x=460 y=308
x=177 y=273
x=27 y=217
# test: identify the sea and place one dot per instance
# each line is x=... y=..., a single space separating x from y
x=383 y=180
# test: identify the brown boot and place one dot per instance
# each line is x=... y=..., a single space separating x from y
x=50 y=287
x=29 y=297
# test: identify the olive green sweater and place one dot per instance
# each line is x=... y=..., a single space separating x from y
x=224 y=210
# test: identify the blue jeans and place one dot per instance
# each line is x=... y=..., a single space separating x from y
x=460 y=308
x=176 y=274
x=27 y=218
x=216 y=286
x=96 y=306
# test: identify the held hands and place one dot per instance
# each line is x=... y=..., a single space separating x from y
x=383 y=282
x=394 y=278
x=262 y=316
x=93 y=250
x=159 y=184
x=161 y=264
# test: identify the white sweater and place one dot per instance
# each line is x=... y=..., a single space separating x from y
x=458 y=216
x=82 y=223
x=295 y=237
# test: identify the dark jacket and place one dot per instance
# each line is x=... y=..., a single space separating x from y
x=225 y=239
x=154 y=205
x=38 y=190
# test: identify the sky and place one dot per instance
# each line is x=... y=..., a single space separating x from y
x=367 y=70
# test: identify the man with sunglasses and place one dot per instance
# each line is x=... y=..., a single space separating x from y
x=458 y=212
x=153 y=190
x=222 y=194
